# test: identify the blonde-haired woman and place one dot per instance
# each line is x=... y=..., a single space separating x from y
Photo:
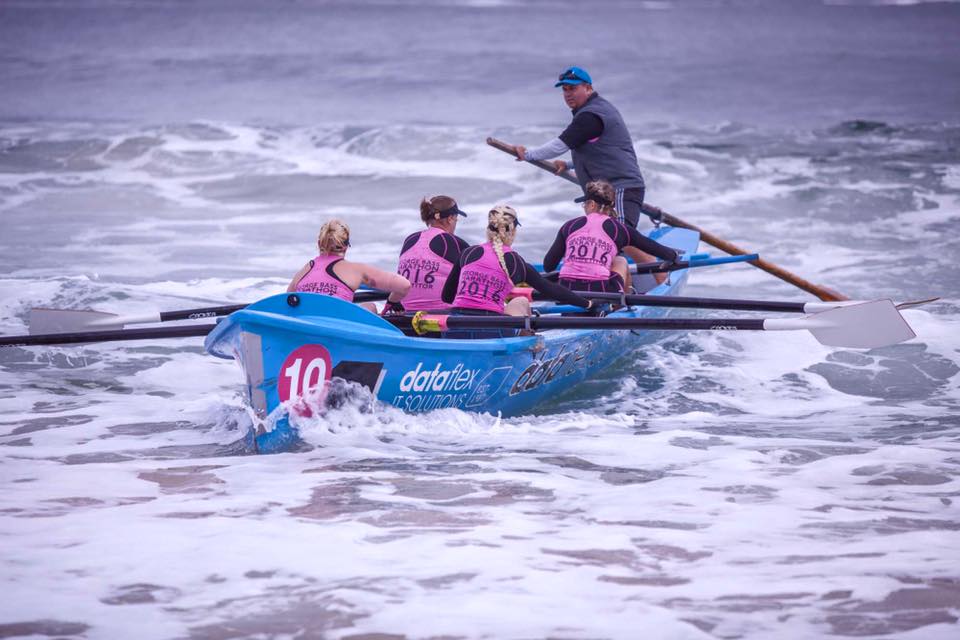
x=480 y=282
x=589 y=245
x=330 y=274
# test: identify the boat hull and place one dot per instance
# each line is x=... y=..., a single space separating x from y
x=293 y=346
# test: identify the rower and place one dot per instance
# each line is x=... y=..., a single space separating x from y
x=330 y=274
x=590 y=243
x=480 y=283
x=428 y=256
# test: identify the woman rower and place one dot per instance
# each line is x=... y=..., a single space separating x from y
x=480 y=283
x=330 y=274
x=589 y=245
x=428 y=256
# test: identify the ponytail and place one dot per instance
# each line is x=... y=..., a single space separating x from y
x=603 y=195
x=334 y=237
x=430 y=208
x=501 y=230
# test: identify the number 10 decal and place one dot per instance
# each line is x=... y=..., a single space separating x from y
x=305 y=371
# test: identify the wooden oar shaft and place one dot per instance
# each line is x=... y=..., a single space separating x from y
x=189 y=331
x=821 y=292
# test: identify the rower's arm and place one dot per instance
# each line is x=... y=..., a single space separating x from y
x=450 y=286
x=555 y=252
x=397 y=285
x=551 y=289
x=652 y=247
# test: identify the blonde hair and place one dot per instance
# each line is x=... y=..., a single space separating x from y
x=501 y=230
x=334 y=237
x=430 y=208
x=604 y=190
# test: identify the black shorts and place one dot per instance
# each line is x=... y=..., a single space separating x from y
x=613 y=284
x=477 y=334
x=629 y=203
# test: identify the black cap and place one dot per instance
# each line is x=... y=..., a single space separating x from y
x=596 y=198
x=452 y=211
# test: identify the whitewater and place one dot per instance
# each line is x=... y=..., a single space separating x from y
x=158 y=156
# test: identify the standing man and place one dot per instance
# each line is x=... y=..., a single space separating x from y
x=599 y=142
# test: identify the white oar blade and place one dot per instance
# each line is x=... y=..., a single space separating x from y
x=863 y=326
x=866 y=325
x=43 y=321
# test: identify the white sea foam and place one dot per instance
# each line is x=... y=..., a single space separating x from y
x=707 y=484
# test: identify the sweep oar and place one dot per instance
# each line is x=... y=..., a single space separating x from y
x=43 y=321
x=820 y=291
x=865 y=325
x=187 y=331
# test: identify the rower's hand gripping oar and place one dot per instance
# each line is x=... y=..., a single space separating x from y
x=824 y=293
x=866 y=325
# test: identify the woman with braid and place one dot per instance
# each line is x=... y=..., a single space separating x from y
x=330 y=274
x=589 y=245
x=428 y=256
x=480 y=283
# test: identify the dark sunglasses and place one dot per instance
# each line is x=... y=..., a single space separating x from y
x=570 y=74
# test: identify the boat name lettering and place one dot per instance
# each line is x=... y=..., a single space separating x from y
x=197 y=316
x=723 y=327
x=545 y=370
x=438 y=379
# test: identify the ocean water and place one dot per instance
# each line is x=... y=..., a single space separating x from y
x=162 y=155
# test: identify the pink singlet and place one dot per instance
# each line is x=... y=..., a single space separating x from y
x=427 y=273
x=590 y=251
x=483 y=284
x=321 y=279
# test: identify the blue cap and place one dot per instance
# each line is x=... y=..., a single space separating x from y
x=574 y=75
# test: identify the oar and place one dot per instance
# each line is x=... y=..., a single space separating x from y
x=187 y=331
x=865 y=325
x=659 y=266
x=780 y=306
x=42 y=320
x=824 y=293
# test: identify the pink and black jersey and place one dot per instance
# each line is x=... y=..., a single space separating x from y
x=322 y=279
x=589 y=251
x=479 y=282
x=426 y=260
x=618 y=233
x=483 y=283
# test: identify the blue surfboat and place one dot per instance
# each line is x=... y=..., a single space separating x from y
x=288 y=351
